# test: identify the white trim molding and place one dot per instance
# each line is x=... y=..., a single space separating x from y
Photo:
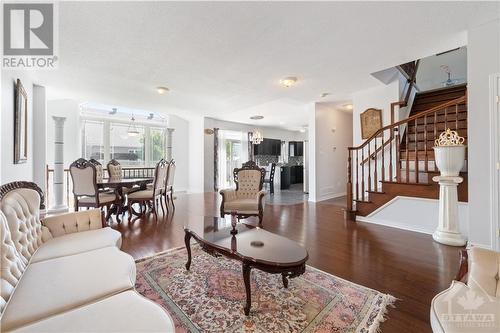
x=495 y=159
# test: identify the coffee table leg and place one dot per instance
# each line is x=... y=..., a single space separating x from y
x=285 y=280
x=246 y=278
x=187 y=241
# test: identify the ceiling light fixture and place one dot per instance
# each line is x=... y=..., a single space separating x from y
x=132 y=129
x=323 y=95
x=113 y=111
x=288 y=81
x=162 y=90
x=257 y=117
x=347 y=106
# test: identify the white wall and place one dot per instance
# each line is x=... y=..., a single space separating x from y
x=180 y=153
x=483 y=60
x=196 y=154
x=415 y=214
x=72 y=136
x=379 y=97
x=208 y=142
x=333 y=134
x=10 y=171
x=39 y=135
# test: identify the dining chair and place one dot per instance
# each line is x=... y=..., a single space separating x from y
x=169 y=184
x=85 y=190
x=270 y=180
x=152 y=195
x=114 y=169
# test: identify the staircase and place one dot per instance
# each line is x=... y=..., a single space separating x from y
x=398 y=160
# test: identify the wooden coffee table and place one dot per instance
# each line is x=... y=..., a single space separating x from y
x=253 y=246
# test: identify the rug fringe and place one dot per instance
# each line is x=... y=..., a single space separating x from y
x=388 y=301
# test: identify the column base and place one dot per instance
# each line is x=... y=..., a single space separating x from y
x=449 y=238
x=58 y=209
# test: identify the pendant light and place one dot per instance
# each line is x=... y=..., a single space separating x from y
x=132 y=129
x=257 y=137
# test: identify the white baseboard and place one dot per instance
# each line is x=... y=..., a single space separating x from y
x=328 y=196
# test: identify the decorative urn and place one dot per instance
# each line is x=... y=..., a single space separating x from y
x=449 y=153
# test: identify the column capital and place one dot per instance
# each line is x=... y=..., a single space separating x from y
x=59 y=120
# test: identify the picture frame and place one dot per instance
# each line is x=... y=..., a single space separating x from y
x=20 y=124
x=371 y=122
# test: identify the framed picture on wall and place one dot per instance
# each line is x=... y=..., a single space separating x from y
x=371 y=121
x=20 y=124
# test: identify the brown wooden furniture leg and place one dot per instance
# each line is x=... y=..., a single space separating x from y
x=187 y=241
x=246 y=278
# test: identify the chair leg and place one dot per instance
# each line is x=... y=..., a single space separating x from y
x=260 y=219
x=161 y=205
x=172 y=198
x=129 y=207
x=164 y=196
x=155 y=209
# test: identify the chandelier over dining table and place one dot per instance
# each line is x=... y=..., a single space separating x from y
x=257 y=137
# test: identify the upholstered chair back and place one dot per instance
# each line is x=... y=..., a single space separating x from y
x=21 y=208
x=98 y=169
x=83 y=174
x=249 y=180
x=114 y=169
x=12 y=265
x=171 y=174
x=160 y=176
x=484 y=271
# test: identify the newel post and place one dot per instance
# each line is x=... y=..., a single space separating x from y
x=349 y=214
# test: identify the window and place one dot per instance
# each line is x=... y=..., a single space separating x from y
x=157 y=145
x=93 y=143
x=126 y=149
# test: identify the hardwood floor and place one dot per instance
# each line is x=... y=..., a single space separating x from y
x=408 y=265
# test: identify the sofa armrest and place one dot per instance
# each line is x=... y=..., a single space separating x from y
x=69 y=223
x=228 y=194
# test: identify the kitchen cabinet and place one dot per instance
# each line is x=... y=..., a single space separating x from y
x=296 y=148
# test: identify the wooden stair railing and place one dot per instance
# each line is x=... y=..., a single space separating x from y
x=387 y=164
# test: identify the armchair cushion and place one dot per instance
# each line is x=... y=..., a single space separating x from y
x=62 y=284
x=77 y=242
x=103 y=198
x=124 y=312
x=242 y=206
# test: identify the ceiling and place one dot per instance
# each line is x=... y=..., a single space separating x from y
x=225 y=60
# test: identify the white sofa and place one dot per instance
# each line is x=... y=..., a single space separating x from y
x=472 y=302
x=66 y=273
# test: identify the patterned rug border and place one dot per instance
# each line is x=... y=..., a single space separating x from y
x=388 y=299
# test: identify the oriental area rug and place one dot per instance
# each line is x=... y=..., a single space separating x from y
x=210 y=297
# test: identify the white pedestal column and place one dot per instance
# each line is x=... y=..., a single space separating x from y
x=448 y=231
x=168 y=143
x=58 y=177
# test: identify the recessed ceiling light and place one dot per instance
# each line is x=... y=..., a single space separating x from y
x=323 y=95
x=287 y=82
x=257 y=117
x=162 y=90
x=347 y=106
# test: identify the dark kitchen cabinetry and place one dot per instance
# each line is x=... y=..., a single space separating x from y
x=268 y=147
x=296 y=148
x=296 y=174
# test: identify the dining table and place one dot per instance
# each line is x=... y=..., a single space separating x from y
x=118 y=186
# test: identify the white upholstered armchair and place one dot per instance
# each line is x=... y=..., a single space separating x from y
x=246 y=200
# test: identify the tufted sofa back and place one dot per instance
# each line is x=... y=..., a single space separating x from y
x=12 y=264
x=69 y=223
x=249 y=183
x=484 y=271
x=21 y=210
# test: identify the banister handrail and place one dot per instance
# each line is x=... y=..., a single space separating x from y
x=407 y=120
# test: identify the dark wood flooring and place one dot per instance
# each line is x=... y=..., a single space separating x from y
x=408 y=265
